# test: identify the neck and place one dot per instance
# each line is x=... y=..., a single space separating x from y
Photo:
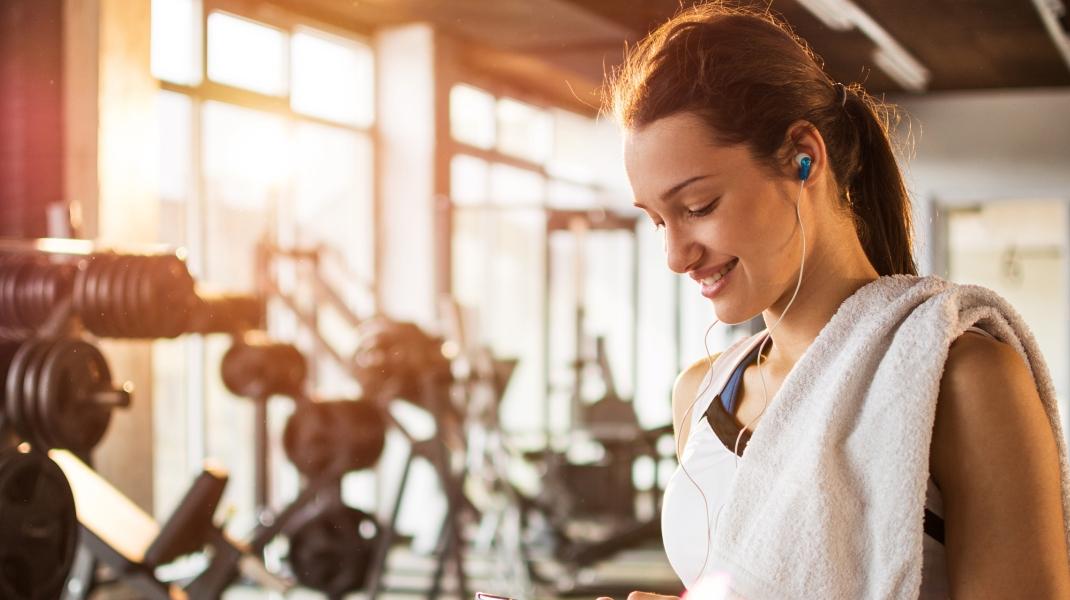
x=830 y=276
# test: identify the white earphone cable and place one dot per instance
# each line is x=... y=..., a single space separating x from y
x=765 y=392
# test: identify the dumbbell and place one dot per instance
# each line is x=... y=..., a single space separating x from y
x=58 y=393
x=256 y=366
x=331 y=552
x=38 y=526
x=347 y=435
x=134 y=296
x=398 y=356
x=30 y=288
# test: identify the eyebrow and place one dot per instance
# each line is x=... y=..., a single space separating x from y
x=676 y=189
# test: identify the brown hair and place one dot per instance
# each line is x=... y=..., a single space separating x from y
x=749 y=77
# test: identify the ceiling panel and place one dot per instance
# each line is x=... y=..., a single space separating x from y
x=966 y=44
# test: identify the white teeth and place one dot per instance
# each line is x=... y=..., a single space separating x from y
x=717 y=276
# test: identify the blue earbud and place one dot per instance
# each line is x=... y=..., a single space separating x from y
x=804 y=161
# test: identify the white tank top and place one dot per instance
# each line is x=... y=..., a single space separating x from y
x=711 y=464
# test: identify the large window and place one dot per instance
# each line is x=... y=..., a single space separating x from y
x=265 y=132
x=515 y=163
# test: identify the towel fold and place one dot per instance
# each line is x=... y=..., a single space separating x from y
x=829 y=496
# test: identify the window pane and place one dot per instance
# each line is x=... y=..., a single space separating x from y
x=510 y=185
x=524 y=131
x=333 y=78
x=245 y=158
x=332 y=206
x=246 y=54
x=175 y=118
x=472 y=116
x=497 y=271
x=656 y=334
x=562 y=194
x=573 y=149
x=469 y=178
x=606 y=152
x=176 y=41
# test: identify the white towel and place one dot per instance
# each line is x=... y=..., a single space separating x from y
x=829 y=496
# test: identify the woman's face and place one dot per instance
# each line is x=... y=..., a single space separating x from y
x=717 y=207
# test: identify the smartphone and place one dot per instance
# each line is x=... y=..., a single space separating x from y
x=483 y=596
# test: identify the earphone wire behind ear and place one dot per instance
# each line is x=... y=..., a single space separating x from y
x=804 y=161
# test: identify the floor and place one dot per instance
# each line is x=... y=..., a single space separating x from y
x=409 y=575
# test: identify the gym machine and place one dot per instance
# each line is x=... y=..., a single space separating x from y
x=57 y=392
x=590 y=508
x=394 y=361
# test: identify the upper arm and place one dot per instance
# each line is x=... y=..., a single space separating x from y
x=996 y=463
x=683 y=396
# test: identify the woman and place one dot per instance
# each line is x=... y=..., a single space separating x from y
x=776 y=188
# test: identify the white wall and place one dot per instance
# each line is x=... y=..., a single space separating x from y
x=985 y=146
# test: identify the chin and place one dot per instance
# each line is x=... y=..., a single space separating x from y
x=732 y=315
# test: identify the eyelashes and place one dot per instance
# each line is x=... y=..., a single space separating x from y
x=692 y=214
x=705 y=210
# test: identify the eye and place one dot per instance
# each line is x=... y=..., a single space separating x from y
x=705 y=210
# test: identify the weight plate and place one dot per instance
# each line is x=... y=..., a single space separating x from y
x=107 y=288
x=39 y=308
x=138 y=314
x=18 y=294
x=178 y=294
x=132 y=319
x=72 y=372
x=9 y=293
x=256 y=367
x=332 y=551
x=104 y=309
x=7 y=356
x=78 y=288
x=4 y=270
x=38 y=526
x=344 y=433
x=145 y=300
x=89 y=307
x=16 y=379
x=33 y=297
x=119 y=317
x=360 y=432
x=36 y=431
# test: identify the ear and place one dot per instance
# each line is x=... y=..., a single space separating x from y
x=802 y=136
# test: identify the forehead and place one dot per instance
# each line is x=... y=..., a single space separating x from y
x=674 y=148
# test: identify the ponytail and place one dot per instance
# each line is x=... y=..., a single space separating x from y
x=876 y=192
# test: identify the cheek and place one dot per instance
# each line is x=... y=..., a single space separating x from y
x=760 y=235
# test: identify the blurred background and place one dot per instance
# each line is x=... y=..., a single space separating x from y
x=444 y=164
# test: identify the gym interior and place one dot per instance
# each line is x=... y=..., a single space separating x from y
x=362 y=303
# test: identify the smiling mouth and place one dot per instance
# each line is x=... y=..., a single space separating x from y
x=712 y=279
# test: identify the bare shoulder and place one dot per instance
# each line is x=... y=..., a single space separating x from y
x=683 y=395
x=995 y=460
x=975 y=363
x=986 y=390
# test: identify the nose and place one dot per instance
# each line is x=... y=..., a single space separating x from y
x=681 y=251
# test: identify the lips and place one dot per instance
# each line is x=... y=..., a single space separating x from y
x=709 y=272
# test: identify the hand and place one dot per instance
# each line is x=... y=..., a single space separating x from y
x=644 y=596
